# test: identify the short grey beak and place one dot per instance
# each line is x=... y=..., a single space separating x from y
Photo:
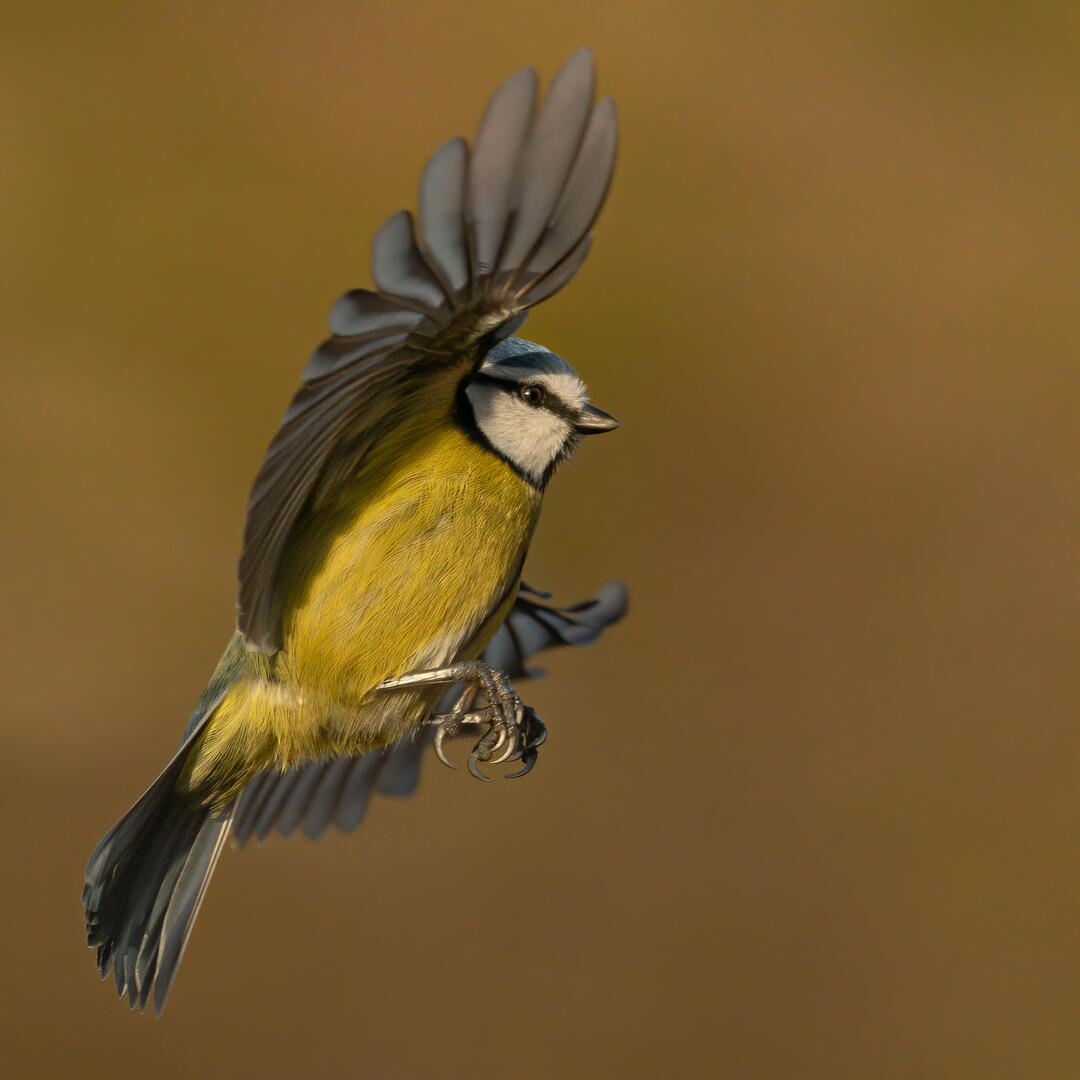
x=592 y=421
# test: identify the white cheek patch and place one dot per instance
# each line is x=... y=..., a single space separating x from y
x=531 y=438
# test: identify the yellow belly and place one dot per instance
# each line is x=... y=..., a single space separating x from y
x=409 y=564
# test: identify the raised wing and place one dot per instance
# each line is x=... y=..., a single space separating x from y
x=500 y=230
x=336 y=791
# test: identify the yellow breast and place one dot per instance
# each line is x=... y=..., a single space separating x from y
x=404 y=563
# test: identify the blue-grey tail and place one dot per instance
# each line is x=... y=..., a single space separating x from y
x=145 y=881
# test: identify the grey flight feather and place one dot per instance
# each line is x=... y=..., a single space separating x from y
x=531 y=627
x=493 y=172
x=584 y=194
x=548 y=157
x=501 y=229
x=400 y=270
x=442 y=214
x=273 y=800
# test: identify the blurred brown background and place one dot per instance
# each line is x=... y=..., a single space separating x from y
x=812 y=811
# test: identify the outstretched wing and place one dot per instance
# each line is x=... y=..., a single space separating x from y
x=335 y=791
x=500 y=230
x=531 y=627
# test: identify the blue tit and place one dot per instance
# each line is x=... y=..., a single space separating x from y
x=387 y=528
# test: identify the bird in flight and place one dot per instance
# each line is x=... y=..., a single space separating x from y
x=381 y=607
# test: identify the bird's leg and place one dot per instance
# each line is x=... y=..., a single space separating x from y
x=504 y=714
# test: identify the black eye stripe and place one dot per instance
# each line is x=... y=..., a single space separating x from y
x=553 y=404
x=511 y=386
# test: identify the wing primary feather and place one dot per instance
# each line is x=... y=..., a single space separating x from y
x=247 y=806
x=443 y=236
x=295 y=805
x=564 y=630
x=609 y=605
x=357 y=789
x=324 y=798
x=400 y=269
x=586 y=189
x=520 y=655
x=401 y=771
x=273 y=777
x=276 y=798
x=548 y=156
x=344 y=788
x=493 y=170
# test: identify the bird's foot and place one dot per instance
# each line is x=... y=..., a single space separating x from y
x=499 y=743
x=513 y=730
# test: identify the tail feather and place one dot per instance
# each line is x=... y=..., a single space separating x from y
x=145 y=881
x=148 y=885
x=180 y=911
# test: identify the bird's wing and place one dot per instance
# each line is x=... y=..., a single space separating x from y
x=532 y=627
x=335 y=791
x=501 y=228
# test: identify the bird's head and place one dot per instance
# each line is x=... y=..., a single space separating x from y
x=531 y=408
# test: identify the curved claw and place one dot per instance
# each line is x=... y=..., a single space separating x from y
x=541 y=735
x=528 y=760
x=474 y=769
x=499 y=731
x=440 y=738
x=511 y=737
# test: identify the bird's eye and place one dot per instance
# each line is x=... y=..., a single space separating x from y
x=532 y=394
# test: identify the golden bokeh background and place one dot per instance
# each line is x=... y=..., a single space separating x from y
x=813 y=810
